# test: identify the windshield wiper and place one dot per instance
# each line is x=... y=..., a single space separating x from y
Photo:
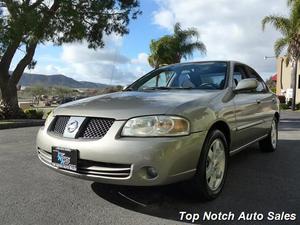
x=184 y=88
x=157 y=88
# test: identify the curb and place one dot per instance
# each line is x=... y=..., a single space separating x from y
x=23 y=123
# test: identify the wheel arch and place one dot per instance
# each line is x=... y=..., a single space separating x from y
x=224 y=128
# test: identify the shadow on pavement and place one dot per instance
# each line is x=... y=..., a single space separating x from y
x=256 y=182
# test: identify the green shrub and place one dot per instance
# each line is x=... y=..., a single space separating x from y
x=284 y=106
x=298 y=106
x=273 y=89
x=7 y=112
x=34 y=114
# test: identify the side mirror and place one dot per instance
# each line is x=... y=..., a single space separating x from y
x=246 y=85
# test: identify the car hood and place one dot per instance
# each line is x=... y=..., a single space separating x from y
x=124 y=105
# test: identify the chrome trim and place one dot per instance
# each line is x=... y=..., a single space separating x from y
x=98 y=168
x=95 y=171
x=232 y=152
x=184 y=172
x=249 y=125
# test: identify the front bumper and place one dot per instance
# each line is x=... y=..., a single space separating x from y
x=124 y=160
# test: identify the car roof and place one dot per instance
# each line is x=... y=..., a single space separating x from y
x=208 y=61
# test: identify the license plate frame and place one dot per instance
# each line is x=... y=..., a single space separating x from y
x=65 y=158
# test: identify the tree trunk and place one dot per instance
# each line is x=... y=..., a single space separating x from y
x=281 y=74
x=8 y=83
x=9 y=104
x=294 y=84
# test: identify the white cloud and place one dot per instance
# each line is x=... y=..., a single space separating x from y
x=230 y=29
x=106 y=65
x=142 y=59
x=80 y=53
x=164 y=18
x=51 y=69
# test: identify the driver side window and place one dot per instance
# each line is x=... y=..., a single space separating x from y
x=239 y=73
x=243 y=72
x=261 y=84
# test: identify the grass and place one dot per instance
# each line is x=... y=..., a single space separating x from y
x=44 y=108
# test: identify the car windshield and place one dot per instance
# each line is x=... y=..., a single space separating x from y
x=206 y=75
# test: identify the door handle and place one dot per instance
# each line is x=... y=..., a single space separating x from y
x=258 y=101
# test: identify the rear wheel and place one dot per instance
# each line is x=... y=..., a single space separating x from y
x=269 y=144
x=212 y=169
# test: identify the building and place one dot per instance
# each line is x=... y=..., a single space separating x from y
x=284 y=78
x=274 y=78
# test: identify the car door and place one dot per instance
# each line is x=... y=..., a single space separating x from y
x=247 y=110
x=266 y=101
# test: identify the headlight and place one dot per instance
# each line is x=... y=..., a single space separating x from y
x=152 y=126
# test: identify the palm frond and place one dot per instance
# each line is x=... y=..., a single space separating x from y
x=177 y=28
x=188 y=49
x=290 y=2
x=279 y=45
x=152 y=61
x=295 y=15
x=171 y=48
x=282 y=24
x=189 y=33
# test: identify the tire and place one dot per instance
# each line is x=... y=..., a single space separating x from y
x=211 y=171
x=269 y=144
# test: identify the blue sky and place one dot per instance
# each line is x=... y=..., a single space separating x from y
x=142 y=31
x=230 y=29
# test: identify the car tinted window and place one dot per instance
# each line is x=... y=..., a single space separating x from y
x=206 y=75
x=243 y=72
x=239 y=73
x=261 y=84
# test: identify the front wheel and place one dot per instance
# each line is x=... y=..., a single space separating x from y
x=212 y=169
x=269 y=144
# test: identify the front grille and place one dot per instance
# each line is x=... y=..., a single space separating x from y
x=98 y=169
x=91 y=128
x=97 y=128
x=59 y=125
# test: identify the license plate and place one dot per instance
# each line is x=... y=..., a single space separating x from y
x=65 y=158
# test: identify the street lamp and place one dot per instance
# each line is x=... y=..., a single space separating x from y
x=269 y=57
x=281 y=67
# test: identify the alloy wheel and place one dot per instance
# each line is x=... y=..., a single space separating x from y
x=274 y=134
x=215 y=164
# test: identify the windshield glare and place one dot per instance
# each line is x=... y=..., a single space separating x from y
x=210 y=75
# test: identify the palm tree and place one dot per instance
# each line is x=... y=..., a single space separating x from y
x=184 y=44
x=161 y=51
x=289 y=27
x=172 y=48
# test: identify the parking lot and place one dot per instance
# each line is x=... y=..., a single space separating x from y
x=30 y=193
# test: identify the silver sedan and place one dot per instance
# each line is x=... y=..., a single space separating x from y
x=176 y=123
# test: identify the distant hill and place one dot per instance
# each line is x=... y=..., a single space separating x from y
x=57 y=80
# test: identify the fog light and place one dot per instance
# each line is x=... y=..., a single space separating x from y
x=151 y=172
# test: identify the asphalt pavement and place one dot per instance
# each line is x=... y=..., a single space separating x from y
x=257 y=182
